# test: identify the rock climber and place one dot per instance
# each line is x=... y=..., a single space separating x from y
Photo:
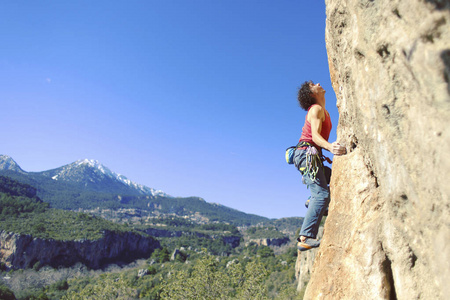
x=308 y=159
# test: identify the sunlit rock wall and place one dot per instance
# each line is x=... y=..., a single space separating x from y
x=388 y=231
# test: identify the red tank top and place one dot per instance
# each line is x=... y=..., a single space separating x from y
x=325 y=132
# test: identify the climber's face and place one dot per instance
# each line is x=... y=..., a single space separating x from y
x=316 y=89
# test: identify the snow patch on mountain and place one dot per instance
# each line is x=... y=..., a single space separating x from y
x=95 y=164
x=85 y=170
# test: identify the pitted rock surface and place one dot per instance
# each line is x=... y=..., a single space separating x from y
x=388 y=230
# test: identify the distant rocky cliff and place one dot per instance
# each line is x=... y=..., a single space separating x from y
x=232 y=240
x=23 y=251
x=270 y=241
x=387 y=235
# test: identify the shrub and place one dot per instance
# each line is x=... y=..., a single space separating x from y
x=265 y=251
x=6 y=293
x=37 y=266
x=152 y=270
x=3 y=266
x=209 y=280
x=61 y=285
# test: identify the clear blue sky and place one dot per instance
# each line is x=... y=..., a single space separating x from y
x=195 y=98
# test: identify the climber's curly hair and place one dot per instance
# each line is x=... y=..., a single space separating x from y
x=305 y=97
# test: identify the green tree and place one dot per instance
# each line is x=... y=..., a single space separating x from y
x=265 y=251
x=205 y=282
x=163 y=255
x=111 y=287
x=252 y=286
x=6 y=293
x=288 y=292
x=3 y=266
x=248 y=280
x=37 y=266
x=208 y=280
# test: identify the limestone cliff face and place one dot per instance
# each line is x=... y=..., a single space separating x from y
x=388 y=231
x=23 y=251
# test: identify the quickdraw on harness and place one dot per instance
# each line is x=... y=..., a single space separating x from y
x=314 y=160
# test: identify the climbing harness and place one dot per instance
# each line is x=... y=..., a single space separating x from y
x=314 y=160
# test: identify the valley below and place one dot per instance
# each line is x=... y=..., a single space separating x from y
x=63 y=239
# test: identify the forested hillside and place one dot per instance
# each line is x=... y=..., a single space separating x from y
x=22 y=212
x=187 y=255
x=85 y=187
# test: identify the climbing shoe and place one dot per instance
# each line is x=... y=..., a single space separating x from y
x=308 y=244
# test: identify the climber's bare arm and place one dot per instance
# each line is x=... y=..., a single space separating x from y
x=316 y=115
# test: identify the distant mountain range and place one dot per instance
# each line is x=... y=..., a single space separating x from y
x=8 y=164
x=87 y=184
x=86 y=174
